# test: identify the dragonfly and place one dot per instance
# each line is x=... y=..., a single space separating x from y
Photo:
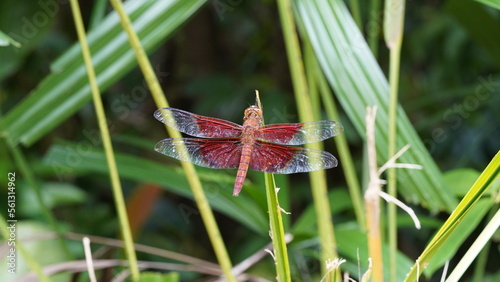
x=224 y=144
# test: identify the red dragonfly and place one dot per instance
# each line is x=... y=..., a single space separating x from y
x=260 y=147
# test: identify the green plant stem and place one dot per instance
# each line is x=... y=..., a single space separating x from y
x=373 y=30
x=482 y=259
x=98 y=13
x=30 y=261
x=356 y=13
x=28 y=175
x=191 y=175
x=317 y=178
x=312 y=83
x=372 y=201
x=277 y=230
x=108 y=147
x=340 y=141
x=393 y=33
x=391 y=174
x=483 y=238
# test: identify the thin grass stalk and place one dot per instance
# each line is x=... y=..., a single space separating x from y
x=108 y=147
x=30 y=261
x=393 y=32
x=356 y=13
x=480 y=265
x=391 y=173
x=46 y=213
x=317 y=178
x=372 y=200
x=340 y=141
x=191 y=175
x=312 y=84
x=475 y=248
x=277 y=230
x=482 y=258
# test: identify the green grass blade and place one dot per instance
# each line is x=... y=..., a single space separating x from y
x=492 y=3
x=358 y=81
x=482 y=258
x=482 y=240
x=461 y=180
x=459 y=237
x=66 y=90
x=487 y=177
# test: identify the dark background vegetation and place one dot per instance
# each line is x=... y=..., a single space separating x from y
x=449 y=88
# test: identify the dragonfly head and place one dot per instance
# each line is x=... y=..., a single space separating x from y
x=253 y=112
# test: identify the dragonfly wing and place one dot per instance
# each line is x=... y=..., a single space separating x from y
x=212 y=153
x=281 y=159
x=196 y=125
x=299 y=133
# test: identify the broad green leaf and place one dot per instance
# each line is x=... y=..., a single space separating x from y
x=66 y=90
x=354 y=248
x=46 y=252
x=358 y=81
x=493 y=3
x=68 y=159
x=306 y=223
x=54 y=194
x=460 y=180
